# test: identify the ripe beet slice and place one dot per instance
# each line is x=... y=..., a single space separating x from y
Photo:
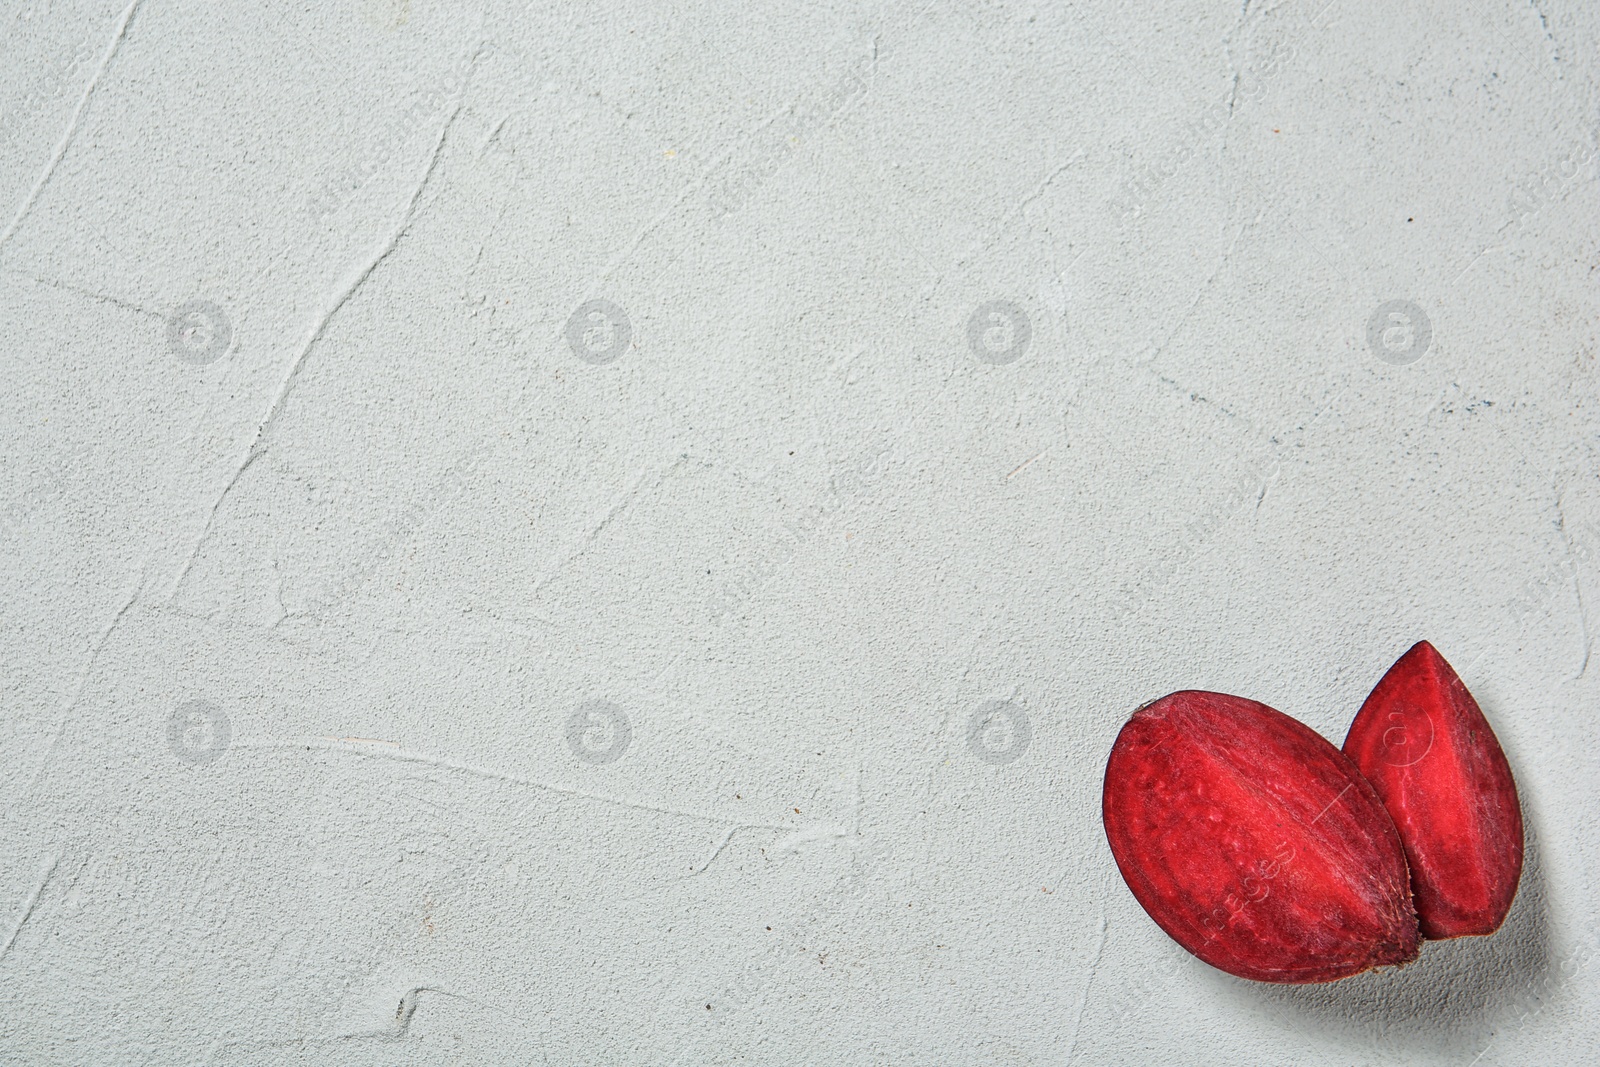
x=1255 y=843
x=1423 y=743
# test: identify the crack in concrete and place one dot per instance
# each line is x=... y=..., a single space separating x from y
x=1577 y=590
x=618 y=506
x=31 y=903
x=408 y=756
x=83 y=682
x=89 y=293
x=396 y=1031
x=1088 y=986
x=72 y=125
x=353 y=283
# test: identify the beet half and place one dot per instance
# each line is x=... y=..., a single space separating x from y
x=1254 y=843
x=1423 y=743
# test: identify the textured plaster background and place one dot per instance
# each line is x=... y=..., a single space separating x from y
x=406 y=659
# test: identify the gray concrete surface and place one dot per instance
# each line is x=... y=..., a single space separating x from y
x=624 y=535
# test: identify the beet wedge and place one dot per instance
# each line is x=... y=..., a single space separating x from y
x=1255 y=843
x=1423 y=743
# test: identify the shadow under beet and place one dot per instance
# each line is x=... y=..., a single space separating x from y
x=1455 y=993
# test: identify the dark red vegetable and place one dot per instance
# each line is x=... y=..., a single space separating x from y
x=1423 y=743
x=1255 y=843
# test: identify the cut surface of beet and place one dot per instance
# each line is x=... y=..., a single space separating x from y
x=1423 y=743
x=1255 y=843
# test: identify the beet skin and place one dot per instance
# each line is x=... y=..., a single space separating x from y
x=1255 y=843
x=1423 y=743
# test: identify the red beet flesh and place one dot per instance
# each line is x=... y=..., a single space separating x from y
x=1423 y=743
x=1255 y=843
